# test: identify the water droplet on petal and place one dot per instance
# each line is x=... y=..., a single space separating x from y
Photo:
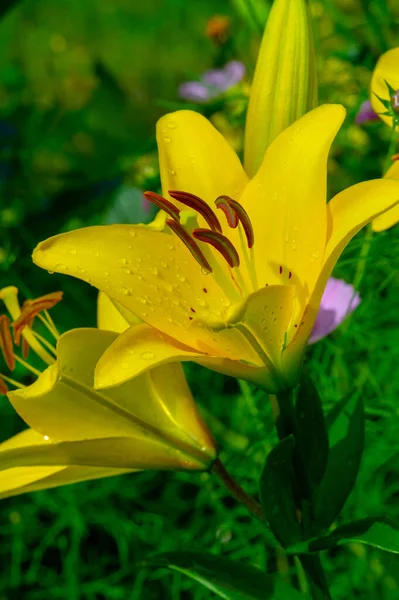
x=172 y=125
x=126 y=270
x=167 y=140
x=60 y=267
x=147 y=356
x=72 y=251
x=125 y=365
x=205 y=271
x=123 y=261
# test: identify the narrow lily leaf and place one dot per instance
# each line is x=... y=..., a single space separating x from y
x=224 y=577
x=312 y=437
x=276 y=493
x=346 y=434
x=380 y=533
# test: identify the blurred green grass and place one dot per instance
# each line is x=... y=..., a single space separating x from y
x=81 y=86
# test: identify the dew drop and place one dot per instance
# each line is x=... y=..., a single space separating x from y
x=167 y=139
x=132 y=233
x=170 y=247
x=106 y=273
x=60 y=267
x=172 y=172
x=123 y=261
x=164 y=264
x=126 y=270
x=72 y=251
x=124 y=290
x=125 y=365
x=147 y=355
x=172 y=125
x=205 y=271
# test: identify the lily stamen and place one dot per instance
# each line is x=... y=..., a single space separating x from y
x=231 y=216
x=6 y=343
x=191 y=244
x=221 y=243
x=201 y=207
x=163 y=204
x=31 y=309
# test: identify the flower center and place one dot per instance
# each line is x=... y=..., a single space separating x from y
x=17 y=332
x=203 y=242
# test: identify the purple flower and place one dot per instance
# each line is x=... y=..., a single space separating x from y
x=213 y=83
x=339 y=300
x=366 y=113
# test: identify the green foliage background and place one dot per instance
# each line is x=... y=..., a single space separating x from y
x=81 y=87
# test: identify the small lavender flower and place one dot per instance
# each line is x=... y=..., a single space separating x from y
x=213 y=83
x=366 y=113
x=339 y=300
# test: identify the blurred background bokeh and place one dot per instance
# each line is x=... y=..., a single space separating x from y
x=81 y=87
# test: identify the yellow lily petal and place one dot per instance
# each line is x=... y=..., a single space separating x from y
x=286 y=201
x=194 y=157
x=137 y=350
x=285 y=83
x=348 y=212
x=139 y=415
x=265 y=318
x=255 y=333
x=150 y=273
x=108 y=316
x=386 y=70
x=389 y=218
x=21 y=480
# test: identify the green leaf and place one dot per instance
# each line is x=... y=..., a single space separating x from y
x=283 y=591
x=346 y=433
x=227 y=578
x=380 y=533
x=311 y=434
x=276 y=493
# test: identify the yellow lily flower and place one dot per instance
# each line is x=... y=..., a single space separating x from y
x=384 y=98
x=239 y=296
x=78 y=434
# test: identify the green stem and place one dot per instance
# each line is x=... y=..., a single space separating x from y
x=391 y=151
x=237 y=491
x=284 y=411
x=317 y=581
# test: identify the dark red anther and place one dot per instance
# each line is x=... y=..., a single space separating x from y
x=30 y=310
x=163 y=204
x=200 y=206
x=191 y=244
x=221 y=243
x=6 y=344
x=223 y=202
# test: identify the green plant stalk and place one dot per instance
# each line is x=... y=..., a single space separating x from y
x=285 y=418
x=237 y=491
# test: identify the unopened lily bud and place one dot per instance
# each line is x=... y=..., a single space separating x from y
x=285 y=82
x=395 y=102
